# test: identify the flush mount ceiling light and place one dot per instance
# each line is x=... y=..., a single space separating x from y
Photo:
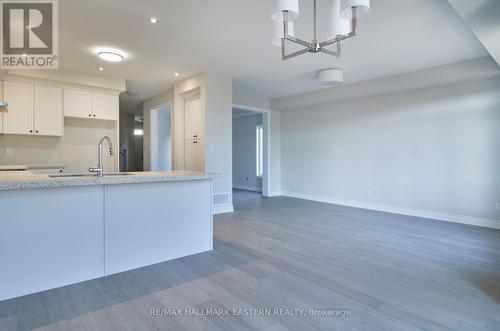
x=153 y=20
x=111 y=56
x=176 y=74
x=331 y=77
x=343 y=25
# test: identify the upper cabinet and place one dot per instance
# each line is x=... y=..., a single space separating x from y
x=33 y=109
x=77 y=103
x=19 y=118
x=105 y=106
x=1 y=114
x=49 y=118
x=87 y=104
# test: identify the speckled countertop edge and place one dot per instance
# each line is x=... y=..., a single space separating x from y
x=27 y=180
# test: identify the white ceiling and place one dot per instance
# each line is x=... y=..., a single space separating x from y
x=234 y=36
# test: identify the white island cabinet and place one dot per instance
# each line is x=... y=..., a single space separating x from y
x=80 y=228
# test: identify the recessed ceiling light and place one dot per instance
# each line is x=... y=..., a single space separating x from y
x=101 y=69
x=111 y=56
x=153 y=20
x=176 y=74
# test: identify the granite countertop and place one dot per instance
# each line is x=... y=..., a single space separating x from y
x=19 y=180
x=22 y=167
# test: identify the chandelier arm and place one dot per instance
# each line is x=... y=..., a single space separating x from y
x=289 y=37
x=354 y=31
x=340 y=38
x=291 y=55
x=329 y=52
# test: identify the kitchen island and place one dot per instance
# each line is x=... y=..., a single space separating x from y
x=59 y=230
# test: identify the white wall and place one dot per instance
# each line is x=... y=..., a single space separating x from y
x=244 y=153
x=161 y=139
x=432 y=152
x=218 y=137
x=152 y=103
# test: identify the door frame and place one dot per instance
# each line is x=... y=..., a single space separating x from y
x=266 y=121
x=153 y=135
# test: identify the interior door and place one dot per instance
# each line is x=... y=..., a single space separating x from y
x=193 y=118
x=49 y=117
x=193 y=155
x=19 y=118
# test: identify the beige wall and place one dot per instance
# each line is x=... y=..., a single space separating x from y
x=77 y=149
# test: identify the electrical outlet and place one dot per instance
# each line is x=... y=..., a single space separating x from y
x=9 y=151
x=498 y=206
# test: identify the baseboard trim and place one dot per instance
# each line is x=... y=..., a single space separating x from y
x=222 y=209
x=274 y=194
x=435 y=215
x=247 y=188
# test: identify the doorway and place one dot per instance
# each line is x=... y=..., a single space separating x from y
x=249 y=150
x=161 y=138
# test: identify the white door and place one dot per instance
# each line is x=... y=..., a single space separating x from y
x=77 y=103
x=105 y=106
x=193 y=157
x=19 y=118
x=49 y=117
x=193 y=118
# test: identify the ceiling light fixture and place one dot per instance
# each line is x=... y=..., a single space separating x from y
x=153 y=20
x=344 y=23
x=176 y=74
x=331 y=77
x=111 y=56
x=101 y=69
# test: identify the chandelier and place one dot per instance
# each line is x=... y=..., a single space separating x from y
x=342 y=25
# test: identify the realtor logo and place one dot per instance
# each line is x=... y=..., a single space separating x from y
x=29 y=32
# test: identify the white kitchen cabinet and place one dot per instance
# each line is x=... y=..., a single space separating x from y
x=105 y=106
x=193 y=118
x=46 y=171
x=48 y=107
x=77 y=103
x=33 y=109
x=193 y=155
x=19 y=118
x=1 y=114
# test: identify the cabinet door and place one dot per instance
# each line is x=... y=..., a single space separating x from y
x=19 y=118
x=193 y=155
x=77 y=103
x=49 y=117
x=193 y=118
x=105 y=106
x=1 y=114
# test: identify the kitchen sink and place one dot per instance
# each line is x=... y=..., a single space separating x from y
x=111 y=174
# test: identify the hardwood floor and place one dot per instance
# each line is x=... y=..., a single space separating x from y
x=389 y=272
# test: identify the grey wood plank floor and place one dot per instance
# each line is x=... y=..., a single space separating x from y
x=391 y=272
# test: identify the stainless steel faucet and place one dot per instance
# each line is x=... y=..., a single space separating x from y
x=99 y=170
